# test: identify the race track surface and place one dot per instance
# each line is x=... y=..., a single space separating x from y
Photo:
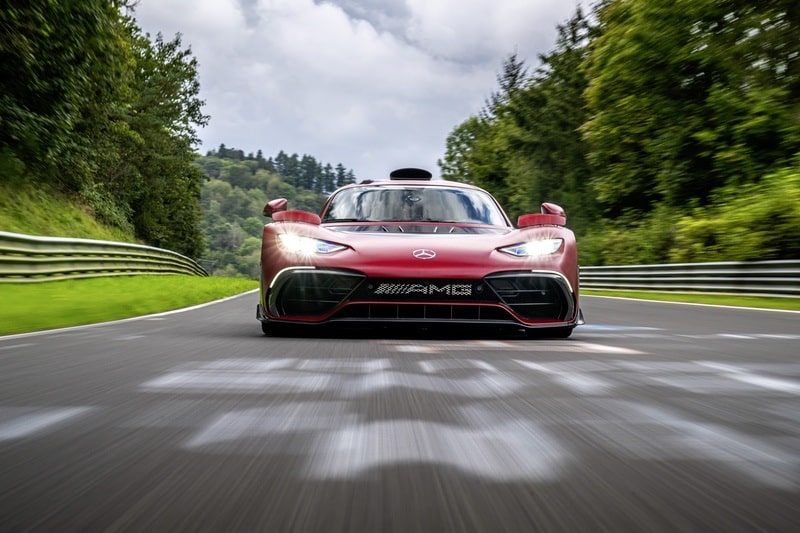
x=651 y=417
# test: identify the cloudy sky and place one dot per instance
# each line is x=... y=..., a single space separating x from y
x=373 y=84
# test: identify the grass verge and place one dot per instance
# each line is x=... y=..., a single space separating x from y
x=36 y=209
x=55 y=304
x=787 y=304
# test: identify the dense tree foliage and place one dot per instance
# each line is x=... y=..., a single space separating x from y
x=238 y=187
x=668 y=129
x=525 y=146
x=689 y=96
x=94 y=108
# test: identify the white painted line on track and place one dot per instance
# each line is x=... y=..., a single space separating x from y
x=15 y=346
x=25 y=422
x=258 y=377
x=494 y=344
x=535 y=366
x=707 y=441
x=427 y=367
x=505 y=452
x=602 y=348
x=414 y=348
x=239 y=382
x=250 y=365
x=437 y=365
x=744 y=376
x=690 y=303
x=555 y=346
x=580 y=383
x=362 y=367
x=483 y=365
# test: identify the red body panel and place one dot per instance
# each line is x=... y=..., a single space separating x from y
x=390 y=255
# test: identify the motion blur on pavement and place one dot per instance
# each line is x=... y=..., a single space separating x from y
x=666 y=417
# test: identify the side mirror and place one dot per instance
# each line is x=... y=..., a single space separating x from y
x=275 y=206
x=553 y=209
x=551 y=215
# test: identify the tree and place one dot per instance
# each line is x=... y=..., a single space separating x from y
x=328 y=181
x=232 y=205
x=63 y=70
x=306 y=173
x=548 y=160
x=341 y=175
x=91 y=106
x=513 y=77
x=165 y=197
x=688 y=96
x=525 y=146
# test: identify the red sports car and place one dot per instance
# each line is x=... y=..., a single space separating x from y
x=413 y=250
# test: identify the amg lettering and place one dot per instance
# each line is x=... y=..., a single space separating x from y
x=430 y=289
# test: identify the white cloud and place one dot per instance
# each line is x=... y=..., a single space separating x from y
x=480 y=30
x=346 y=81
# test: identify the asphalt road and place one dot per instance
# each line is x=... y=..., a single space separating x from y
x=652 y=417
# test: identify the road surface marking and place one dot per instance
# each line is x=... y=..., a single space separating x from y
x=580 y=383
x=24 y=422
x=521 y=451
x=16 y=346
x=744 y=376
x=364 y=378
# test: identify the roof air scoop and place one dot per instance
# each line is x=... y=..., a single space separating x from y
x=411 y=174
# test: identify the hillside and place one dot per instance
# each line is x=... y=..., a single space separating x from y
x=40 y=210
x=233 y=197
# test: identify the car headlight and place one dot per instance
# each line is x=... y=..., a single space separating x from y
x=308 y=245
x=534 y=248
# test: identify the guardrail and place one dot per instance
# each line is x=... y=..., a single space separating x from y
x=28 y=258
x=757 y=278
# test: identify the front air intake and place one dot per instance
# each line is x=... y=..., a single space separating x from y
x=307 y=293
x=534 y=295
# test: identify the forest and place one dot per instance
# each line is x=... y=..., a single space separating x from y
x=94 y=109
x=234 y=194
x=668 y=130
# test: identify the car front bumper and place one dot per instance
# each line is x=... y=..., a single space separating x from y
x=527 y=298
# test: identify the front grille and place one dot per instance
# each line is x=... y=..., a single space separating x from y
x=424 y=312
x=534 y=295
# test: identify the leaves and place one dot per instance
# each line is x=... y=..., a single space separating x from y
x=686 y=97
x=98 y=110
x=233 y=198
x=664 y=127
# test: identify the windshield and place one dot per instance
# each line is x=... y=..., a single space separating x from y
x=414 y=204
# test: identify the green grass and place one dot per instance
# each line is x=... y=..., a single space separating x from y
x=790 y=304
x=54 y=304
x=34 y=209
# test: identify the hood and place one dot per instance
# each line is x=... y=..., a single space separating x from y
x=400 y=253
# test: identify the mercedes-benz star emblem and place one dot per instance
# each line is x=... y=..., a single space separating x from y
x=423 y=253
